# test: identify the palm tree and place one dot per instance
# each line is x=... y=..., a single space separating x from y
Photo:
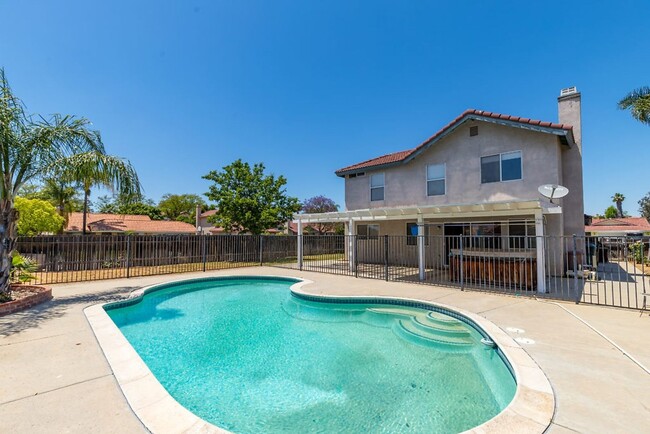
x=28 y=147
x=63 y=195
x=618 y=199
x=32 y=147
x=638 y=102
x=94 y=168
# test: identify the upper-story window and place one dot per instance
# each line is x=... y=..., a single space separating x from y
x=377 y=187
x=501 y=167
x=436 y=180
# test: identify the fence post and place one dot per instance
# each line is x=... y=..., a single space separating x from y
x=128 y=256
x=461 y=266
x=575 y=268
x=261 y=247
x=301 y=251
x=203 y=251
x=356 y=257
x=386 y=257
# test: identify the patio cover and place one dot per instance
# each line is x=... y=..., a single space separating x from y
x=505 y=208
x=419 y=213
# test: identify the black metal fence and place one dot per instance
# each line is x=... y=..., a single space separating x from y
x=611 y=271
x=63 y=259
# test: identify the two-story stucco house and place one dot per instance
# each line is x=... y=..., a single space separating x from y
x=478 y=175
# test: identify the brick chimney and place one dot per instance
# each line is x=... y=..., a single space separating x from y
x=573 y=204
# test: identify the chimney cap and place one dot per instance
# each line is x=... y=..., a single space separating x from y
x=568 y=91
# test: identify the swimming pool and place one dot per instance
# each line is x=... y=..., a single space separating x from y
x=247 y=355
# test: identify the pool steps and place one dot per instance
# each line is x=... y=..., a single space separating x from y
x=416 y=326
x=428 y=321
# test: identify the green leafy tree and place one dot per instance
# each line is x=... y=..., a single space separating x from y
x=36 y=216
x=30 y=146
x=180 y=207
x=611 y=212
x=638 y=103
x=57 y=191
x=644 y=206
x=248 y=200
x=618 y=199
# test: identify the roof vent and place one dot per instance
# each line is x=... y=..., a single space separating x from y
x=568 y=91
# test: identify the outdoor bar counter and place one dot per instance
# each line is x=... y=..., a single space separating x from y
x=513 y=269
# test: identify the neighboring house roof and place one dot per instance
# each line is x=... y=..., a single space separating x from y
x=293 y=227
x=208 y=213
x=625 y=224
x=125 y=223
x=563 y=131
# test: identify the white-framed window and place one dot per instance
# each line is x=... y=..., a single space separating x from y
x=368 y=231
x=377 y=187
x=436 y=185
x=501 y=167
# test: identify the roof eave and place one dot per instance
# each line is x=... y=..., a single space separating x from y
x=343 y=173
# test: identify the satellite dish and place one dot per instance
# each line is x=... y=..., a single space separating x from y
x=553 y=191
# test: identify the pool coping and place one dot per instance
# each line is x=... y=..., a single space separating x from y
x=531 y=409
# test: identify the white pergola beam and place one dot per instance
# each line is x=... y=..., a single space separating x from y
x=435 y=211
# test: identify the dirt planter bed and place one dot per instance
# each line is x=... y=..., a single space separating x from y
x=26 y=296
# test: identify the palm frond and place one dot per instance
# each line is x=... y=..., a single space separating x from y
x=97 y=168
x=638 y=102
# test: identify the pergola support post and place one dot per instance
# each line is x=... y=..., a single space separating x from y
x=421 y=252
x=352 y=251
x=541 y=252
x=300 y=254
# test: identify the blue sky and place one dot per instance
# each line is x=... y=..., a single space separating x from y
x=181 y=88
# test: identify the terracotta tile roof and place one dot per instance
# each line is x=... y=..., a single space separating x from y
x=625 y=224
x=125 y=223
x=473 y=113
x=379 y=161
x=208 y=213
x=293 y=227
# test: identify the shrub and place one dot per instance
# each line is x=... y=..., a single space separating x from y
x=637 y=249
x=22 y=269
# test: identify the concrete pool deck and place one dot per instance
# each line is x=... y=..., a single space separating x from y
x=56 y=378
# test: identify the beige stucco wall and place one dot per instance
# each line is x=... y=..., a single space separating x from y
x=406 y=184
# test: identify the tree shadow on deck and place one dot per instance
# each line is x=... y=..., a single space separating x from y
x=38 y=316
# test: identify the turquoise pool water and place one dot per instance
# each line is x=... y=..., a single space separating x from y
x=246 y=355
